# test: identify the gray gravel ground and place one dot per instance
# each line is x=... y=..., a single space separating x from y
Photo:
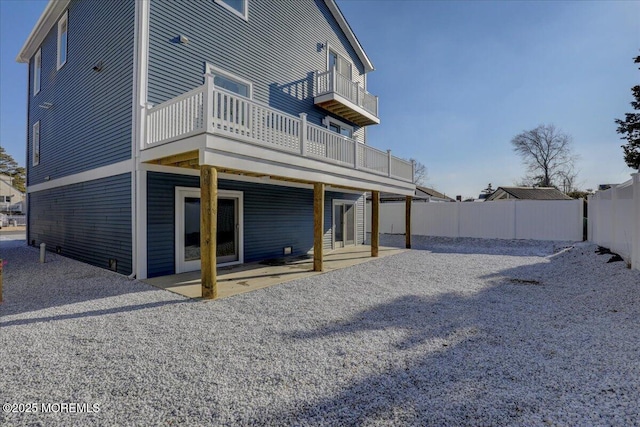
x=455 y=332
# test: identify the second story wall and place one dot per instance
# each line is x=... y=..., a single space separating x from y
x=277 y=49
x=88 y=122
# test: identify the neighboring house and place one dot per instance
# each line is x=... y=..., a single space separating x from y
x=422 y=194
x=527 y=193
x=11 y=199
x=132 y=105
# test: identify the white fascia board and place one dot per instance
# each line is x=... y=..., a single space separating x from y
x=235 y=154
x=148 y=167
x=227 y=153
x=47 y=20
x=344 y=26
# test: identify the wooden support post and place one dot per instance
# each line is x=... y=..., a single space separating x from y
x=318 y=224
x=208 y=230
x=407 y=222
x=375 y=222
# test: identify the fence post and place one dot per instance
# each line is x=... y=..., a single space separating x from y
x=635 y=250
x=456 y=217
x=208 y=101
x=590 y=217
x=388 y=162
x=515 y=219
x=303 y=134
x=613 y=245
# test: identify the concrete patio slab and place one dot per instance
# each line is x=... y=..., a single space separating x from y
x=249 y=277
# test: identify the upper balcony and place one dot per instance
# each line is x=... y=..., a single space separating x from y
x=339 y=95
x=209 y=125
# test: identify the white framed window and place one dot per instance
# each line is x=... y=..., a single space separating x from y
x=37 y=71
x=36 y=144
x=237 y=7
x=232 y=83
x=338 y=126
x=338 y=62
x=63 y=32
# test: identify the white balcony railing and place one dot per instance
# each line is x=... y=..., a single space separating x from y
x=331 y=81
x=216 y=111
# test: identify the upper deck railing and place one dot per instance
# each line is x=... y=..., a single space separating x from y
x=216 y=111
x=332 y=81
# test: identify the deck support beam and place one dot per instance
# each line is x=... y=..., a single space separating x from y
x=375 y=223
x=407 y=222
x=318 y=225
x=208 y=230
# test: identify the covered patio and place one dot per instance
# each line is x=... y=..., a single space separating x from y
x=249 y=277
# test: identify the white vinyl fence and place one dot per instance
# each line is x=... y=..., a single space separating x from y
x=512 y=219
x=614 y=219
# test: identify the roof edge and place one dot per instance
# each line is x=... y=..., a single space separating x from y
x=47 y=20
x=346 y=28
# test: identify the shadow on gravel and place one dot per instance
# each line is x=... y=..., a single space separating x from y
x=91 y=313
x=32 y=286
x=503 y=356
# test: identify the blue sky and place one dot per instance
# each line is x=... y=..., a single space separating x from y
x=456 y=81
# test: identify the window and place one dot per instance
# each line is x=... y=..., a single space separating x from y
x=5 y=199
x=238 y=7
x=36 y=143
x=63 y=30
x=227 y=81
x=339 y=63
x=338 y=127
x=37 y=71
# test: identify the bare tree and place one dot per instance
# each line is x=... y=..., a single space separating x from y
x=547 y=153
x=629 y=128
x=420 y=173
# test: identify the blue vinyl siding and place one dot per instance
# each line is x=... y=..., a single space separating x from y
x=274 y=217
x=90 y=221
x=277 y=49
x=89 y=124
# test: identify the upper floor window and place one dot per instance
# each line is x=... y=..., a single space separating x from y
x=338 y=127
x=37 y=71
x=228 y=81
x=238 y=7
x=339 y=63
x=36 y=144
x=63 y=30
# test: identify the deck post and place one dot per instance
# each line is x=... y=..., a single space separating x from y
x=318 y=224
x=407 y=221
x=208 y=230
x=375 y=222
x=208 y=103
x=303 y=134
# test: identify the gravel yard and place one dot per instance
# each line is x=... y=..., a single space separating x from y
x=454 y=332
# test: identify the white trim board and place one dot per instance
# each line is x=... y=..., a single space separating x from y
x=148 y=167
x=138 y=136
x=90 y=175
x=45 y=23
